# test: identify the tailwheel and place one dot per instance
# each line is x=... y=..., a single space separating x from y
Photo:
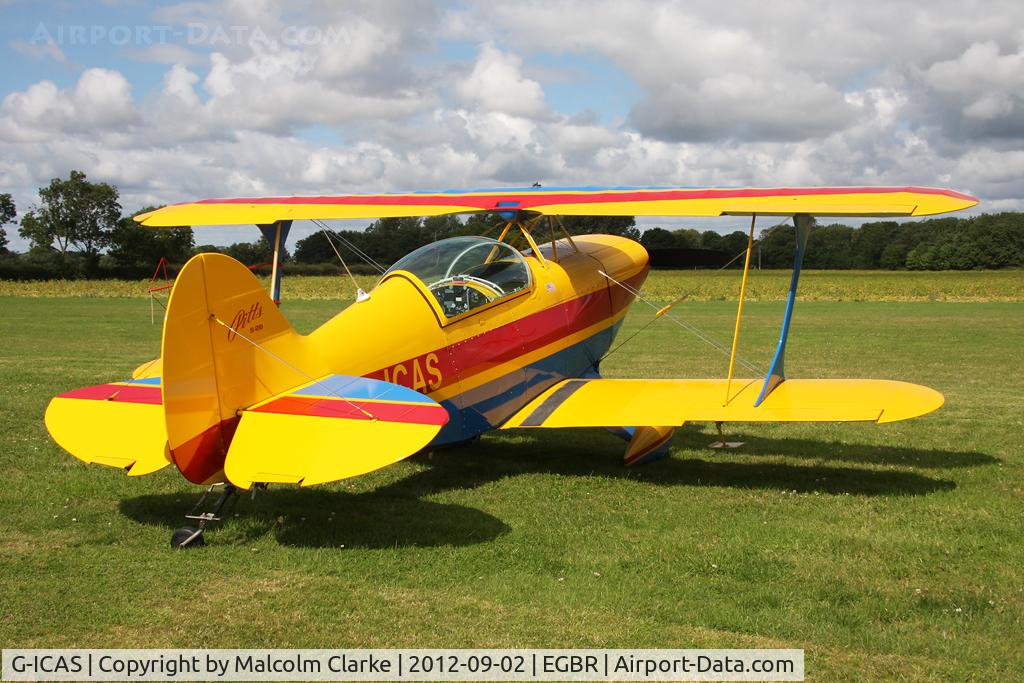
x=192 y=537
x=187 y=537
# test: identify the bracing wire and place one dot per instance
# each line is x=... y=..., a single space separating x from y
x=270 y=353
x=344 y=265
x=662 y=312
x=359 y=252
x=629 y=338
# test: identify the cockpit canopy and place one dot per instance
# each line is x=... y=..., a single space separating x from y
x=464 y=273
x=467 y=272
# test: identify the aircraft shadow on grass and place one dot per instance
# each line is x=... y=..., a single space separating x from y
x=387 y=517
x=398 y=514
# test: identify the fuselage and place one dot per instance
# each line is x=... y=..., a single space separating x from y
x=486 y=363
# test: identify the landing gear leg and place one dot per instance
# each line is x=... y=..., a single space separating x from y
x=722 y=443
x=192 y=537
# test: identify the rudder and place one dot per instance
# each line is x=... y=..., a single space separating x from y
x=225 y=347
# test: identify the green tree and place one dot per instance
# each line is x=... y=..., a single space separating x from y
x=998 y=239
x=869 y=242
x=314 y=249
x=894 y=256
x=317 y=249
x=484 y=223
x=920 y=257
x=252 y=253
x=439 y=227
x=687 y=238
x=389 y=239
x=7 y=214
x=130 y=244
x=829 y=246
x=72 y=213
x=734 y=243
x=777 y=245
x=709 y=239
x=658 y=238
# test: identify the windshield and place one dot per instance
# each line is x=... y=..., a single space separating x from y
x=464 y=273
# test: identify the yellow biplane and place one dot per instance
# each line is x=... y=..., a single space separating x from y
x=459 y=337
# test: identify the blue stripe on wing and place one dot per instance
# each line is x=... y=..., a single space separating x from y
x=346 y=386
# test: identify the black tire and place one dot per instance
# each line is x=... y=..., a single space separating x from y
x=183 y=534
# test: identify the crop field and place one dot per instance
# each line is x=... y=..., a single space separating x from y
x=662 y=285
x=884 y=551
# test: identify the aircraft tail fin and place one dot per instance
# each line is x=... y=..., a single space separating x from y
x=226 y=346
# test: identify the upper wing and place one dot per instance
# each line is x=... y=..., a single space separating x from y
x=334 y=428
x=669 y=402
x=585 y=201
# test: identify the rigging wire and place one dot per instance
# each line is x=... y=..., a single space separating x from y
x=662 y=312
x=360 y=294
x=314 y=380
x=628 y=339
x=665 y=309
x=359 y=252
x=733 y=259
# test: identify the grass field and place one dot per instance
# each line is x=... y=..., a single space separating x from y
x=885 y=551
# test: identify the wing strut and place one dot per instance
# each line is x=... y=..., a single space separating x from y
x=777 y=371
x=739 y=309
x=276 y=233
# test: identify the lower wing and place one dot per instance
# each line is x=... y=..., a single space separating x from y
x=671 y=402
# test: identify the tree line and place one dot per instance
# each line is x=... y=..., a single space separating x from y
x=978 y=242
x=78 y=229
x=386 y=240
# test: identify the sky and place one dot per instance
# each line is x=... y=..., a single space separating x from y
x=174 y=101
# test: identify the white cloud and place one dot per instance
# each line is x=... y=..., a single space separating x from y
x=700 y=80
x=980 y=93
x=496 y=84
x=349 y=49
x=730 y=93
x=100 y=101
x=103 y=98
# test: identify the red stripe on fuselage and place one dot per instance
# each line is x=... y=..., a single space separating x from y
x=507 y=342
x=407 y=413
x=119 y=393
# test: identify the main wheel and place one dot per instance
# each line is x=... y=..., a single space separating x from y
x=180 y=538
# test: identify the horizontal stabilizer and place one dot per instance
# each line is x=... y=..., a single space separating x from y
x=120 y=424
x=670 y=402
x=334 y=428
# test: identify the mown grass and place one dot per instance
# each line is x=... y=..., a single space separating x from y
x=885 y=551
x=662 y=286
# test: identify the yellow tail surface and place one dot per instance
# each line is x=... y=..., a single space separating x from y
x=248 y=400
x=225 y=347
